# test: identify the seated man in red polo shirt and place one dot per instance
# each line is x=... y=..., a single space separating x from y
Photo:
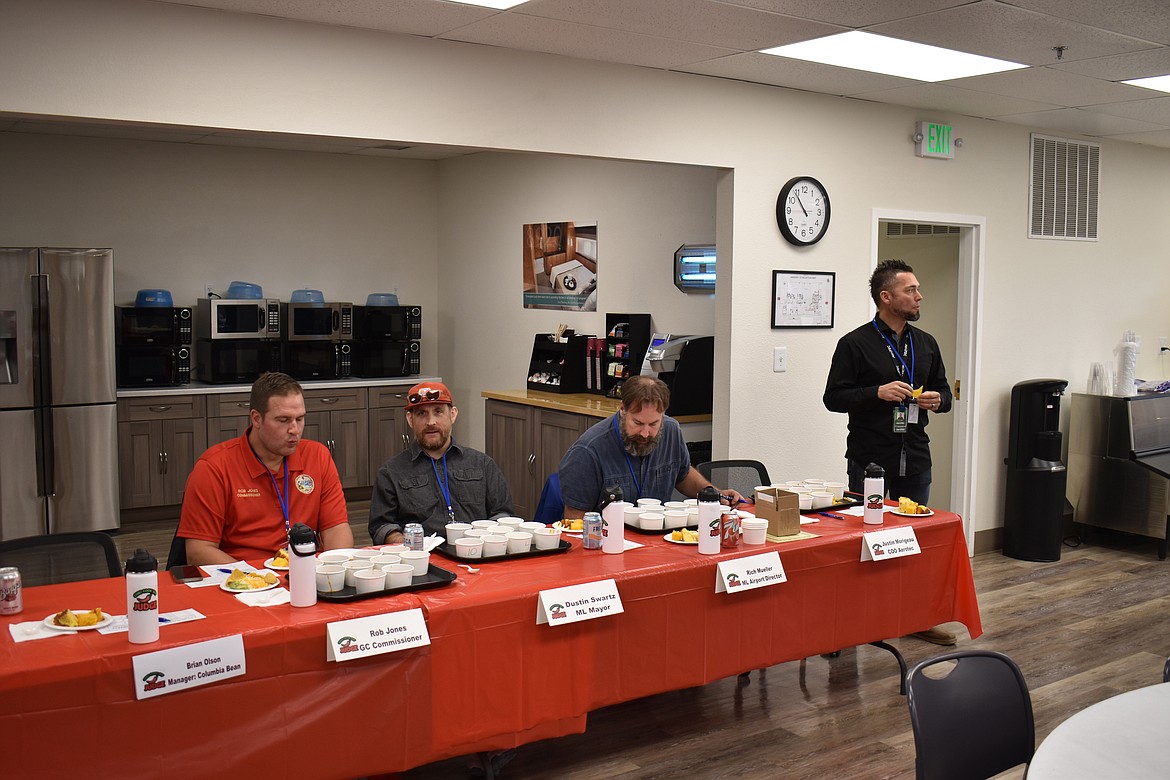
x=244 y=494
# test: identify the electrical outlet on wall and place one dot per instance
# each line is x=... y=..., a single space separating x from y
x=779 y=359
x=207 y=288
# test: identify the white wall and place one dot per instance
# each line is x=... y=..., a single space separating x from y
x=1050 y=307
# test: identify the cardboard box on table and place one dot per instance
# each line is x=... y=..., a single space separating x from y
x=782 y=511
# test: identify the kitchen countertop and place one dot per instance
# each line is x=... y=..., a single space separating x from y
x=203 y=388
x=587 y=404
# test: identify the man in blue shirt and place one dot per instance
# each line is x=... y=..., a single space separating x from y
x=639 y=449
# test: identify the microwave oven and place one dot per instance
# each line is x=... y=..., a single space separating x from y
x=318 y=359
x=392 y=323
x=162 y=325
x=237 y=361
x=153 y=366
x=238 y=318
x=385 y=358
x=317 y=321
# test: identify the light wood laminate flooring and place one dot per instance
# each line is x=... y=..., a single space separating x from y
x=1082 y=629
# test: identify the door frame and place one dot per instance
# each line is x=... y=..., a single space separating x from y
x=968 y=338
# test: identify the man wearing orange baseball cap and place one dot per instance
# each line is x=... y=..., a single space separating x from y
x=435 y=481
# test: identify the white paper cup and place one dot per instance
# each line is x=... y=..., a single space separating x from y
x=455 y=531
x=509 y=524
x=477 y=533
x=805 y=501
x=633 y=513
x=364 y=555
x=496 y=544
x=837 y=488
x=370 y=580
x=674 y=518
x=691 y=502
x=650 y=502
x=790 y=483
x=399 y=575
x=394 y=549
x=419 y=559
x=531 y=525
x=332 y=557
x=487 y=524
x=675 y=505
x=652 y=521
x=546 y=538
x=814 y=482
x=384 y=560
x=519 y=541
x=754 y=531
x=469 y=547
x=352 y=568
x=330 y=577
x=821 y=499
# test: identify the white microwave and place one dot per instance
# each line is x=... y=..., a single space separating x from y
x=238 y=318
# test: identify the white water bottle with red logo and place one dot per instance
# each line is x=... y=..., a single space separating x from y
x=302 y=566
x=710 y=511
x=875 y=495
x=613 y=521
x=142 y=597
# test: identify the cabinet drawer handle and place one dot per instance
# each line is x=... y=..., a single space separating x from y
x=161 y=455
x=244 y=404
x=531 y=458
x=166 y=463
x=160 y=408
x=329 y=400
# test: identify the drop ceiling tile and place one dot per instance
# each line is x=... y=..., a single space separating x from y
x=1155 y=138
x=1075 y=120
x=998 y=30
x=1156 y=110
x=797 y=74
x=532 y=33
x=698 y=21
x=1058 y=87
x=851 y=13
x=1145 y=19
x=1138 y=65
x=943 y=97
x=413 y=17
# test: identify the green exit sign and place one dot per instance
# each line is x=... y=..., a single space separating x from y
x=934 y=140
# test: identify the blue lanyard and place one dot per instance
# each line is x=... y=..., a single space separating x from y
x=282 y=498
x=629 y=463
x=444 y=486
x=894 y=350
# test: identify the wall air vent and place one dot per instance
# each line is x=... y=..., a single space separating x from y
x=916 y=230
x=1062 y=200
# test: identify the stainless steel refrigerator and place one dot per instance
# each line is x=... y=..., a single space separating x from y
x=58 y=412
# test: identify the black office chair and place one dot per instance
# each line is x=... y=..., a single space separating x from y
x=1166 y=671
x=974 y=722
x=741 y=475
x=53 y=558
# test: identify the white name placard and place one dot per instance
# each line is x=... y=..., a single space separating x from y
x=376 y=634
x=755 y=571
x=578 y=602
x=889 y=543
x=189 y=666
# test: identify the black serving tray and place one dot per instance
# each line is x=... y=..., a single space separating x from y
x=847 y=500
x=448 y=551
x=436 y=577
x=657 y=532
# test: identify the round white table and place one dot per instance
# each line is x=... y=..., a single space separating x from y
x=1121 y=737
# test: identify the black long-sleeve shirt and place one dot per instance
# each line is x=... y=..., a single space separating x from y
x=863 y=362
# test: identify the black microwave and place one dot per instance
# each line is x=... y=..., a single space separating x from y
x=162 y=325
x=386 y=358
x=238 y=318
x=318 y=359
x=392 y=323
x=317 y=321
x=236 y=361
x=153 y=366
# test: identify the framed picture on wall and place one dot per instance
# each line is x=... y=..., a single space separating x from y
x=803 y=299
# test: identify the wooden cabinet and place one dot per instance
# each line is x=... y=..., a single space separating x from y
x=159 y=439
x=338 y=418
x=227 y=416
x=389 y=434
x=527 y=443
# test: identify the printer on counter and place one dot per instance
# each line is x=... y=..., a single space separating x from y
x=686 y=364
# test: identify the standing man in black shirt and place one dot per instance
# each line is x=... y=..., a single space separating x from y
x=889 y=378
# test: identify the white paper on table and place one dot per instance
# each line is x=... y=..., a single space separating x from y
x=630 y=544
x=119 y=625
x=265 y=598
x=432 y=541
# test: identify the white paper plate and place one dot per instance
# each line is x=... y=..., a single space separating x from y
x=676 y=541
x=271 y=564
x=557 y=525
x=224 y=585
x=100 y=624
x=907 y=514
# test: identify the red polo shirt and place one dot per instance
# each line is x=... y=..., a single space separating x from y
x=231 y=500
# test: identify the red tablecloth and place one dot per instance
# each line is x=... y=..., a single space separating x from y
x=491 y=677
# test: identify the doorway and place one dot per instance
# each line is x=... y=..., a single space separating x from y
x=946 y=251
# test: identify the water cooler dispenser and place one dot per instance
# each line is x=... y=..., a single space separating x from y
x=1036 y=477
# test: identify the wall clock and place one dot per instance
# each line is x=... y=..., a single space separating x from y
x=802 y=211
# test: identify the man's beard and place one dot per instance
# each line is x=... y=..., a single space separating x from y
x=421 y=439
x=913 y=316
x=638 y=446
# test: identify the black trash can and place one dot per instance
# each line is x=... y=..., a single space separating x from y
x=1036 y=478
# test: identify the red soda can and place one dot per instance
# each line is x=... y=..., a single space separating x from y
x=729 y=529
x=11 y=600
